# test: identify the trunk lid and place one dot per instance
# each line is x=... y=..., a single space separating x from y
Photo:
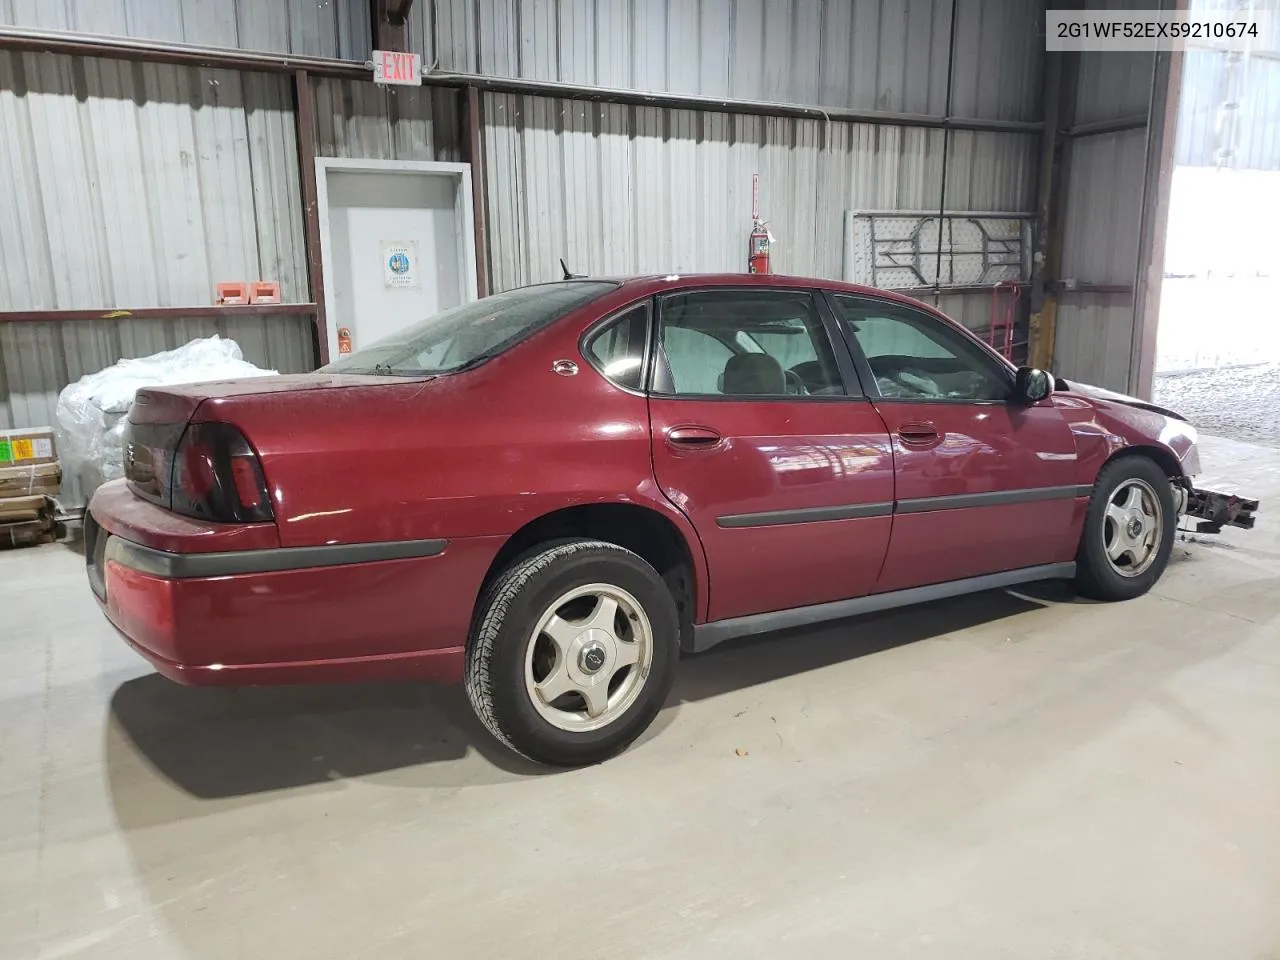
x=163 y=424
x=177 y=404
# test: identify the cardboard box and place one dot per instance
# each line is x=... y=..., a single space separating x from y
x=43 y=478
x=27 y=447
x=24 y=509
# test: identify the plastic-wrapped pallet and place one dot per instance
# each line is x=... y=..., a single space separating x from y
x=92 y=412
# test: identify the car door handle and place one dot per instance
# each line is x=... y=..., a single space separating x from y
x=918 y=433
x=693 y=437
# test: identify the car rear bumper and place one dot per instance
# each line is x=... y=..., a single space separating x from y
x=290 y=615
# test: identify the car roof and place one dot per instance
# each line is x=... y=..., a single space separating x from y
x=659 y=283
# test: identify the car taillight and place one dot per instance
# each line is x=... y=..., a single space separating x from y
x=217 y=476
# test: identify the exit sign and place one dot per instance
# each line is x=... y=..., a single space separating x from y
x=391 y=66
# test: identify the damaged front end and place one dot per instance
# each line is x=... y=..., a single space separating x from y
x=1213 y=509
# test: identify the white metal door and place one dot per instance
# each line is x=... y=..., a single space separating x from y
x=397 y=242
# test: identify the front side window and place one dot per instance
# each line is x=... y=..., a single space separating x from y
x=464 y=335
x=766 y=343
x=914 y=356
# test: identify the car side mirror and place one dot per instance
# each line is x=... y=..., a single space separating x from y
x=1031 y=385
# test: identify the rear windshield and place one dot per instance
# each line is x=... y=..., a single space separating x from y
x=465 y=335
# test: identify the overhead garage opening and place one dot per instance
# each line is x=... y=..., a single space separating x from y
x=1218 y=343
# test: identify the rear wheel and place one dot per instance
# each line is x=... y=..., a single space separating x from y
x=1129 y=530
x=573 y=652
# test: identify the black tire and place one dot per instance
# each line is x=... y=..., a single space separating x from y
x=1096 y=577
x=505 y=618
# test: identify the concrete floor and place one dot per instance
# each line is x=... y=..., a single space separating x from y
x=990 y=777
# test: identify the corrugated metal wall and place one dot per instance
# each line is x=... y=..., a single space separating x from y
x=1100 y=246
x=619 y=190
x=866 y=54
x=142 y=185
x=1104 y=176
x=358 y=119
x=319 y=28
x=139 y=185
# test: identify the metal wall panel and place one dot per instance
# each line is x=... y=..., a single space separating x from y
x=1094 y=332
x=139 y=185
x=358 y=119
x=999 y=56
x=1095 y=339
x=142 y=185
x=1114 y=84
x=617 y=190
x=620 y=190
x=1104 y=194
x=864 y=54
x=321 y=28
x=991 y=171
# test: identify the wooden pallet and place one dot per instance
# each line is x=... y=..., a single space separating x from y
x=27 y=521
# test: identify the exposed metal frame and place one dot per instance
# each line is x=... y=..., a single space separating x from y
x=1061 y=74
x=305 y=114
x=473 y=107
x=1153 y=221
x=202 y=312
x=389 y=24
x=758 y=108
x=1098 y=127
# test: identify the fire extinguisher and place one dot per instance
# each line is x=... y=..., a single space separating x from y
x=344 y=340
x=758 y=248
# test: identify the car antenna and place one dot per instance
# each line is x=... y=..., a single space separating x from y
x=570 y=276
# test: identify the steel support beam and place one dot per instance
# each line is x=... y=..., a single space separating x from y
x=303 y=106
x=473 y=110
x=204 y=311
x=390 y=23
x=1061 y=73
x=1098 y=127
x=1166 y=92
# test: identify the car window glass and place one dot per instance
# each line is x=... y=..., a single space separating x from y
x=767 y=343
x=617 y=351
x=696 y=359
x=468 y=333
x=914 y=356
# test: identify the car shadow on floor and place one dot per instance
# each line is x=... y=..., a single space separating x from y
x=221 y=743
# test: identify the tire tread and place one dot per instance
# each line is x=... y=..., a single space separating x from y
x=1091 y=579
x=492 y=611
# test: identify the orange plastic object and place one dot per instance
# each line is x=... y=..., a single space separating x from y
x=231 y=294
x=264 y=291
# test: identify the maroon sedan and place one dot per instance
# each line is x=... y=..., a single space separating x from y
x=549 y=493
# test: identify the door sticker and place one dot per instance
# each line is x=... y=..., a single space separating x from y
x=400 y=263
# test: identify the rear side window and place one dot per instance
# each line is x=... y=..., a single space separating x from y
x=617 y=349
x=744 y=343
x=464 y=335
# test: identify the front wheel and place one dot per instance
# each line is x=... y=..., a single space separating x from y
x=573 y=653
x=1129 y=530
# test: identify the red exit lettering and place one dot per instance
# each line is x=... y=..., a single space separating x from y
x=397 y=67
